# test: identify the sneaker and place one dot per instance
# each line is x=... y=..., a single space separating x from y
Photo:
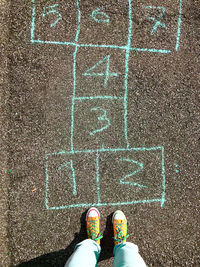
x=93 y=225
x=119 y=227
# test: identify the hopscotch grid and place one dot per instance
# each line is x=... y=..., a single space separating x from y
x=162 y=200
x=127 y=48
x=154 y=50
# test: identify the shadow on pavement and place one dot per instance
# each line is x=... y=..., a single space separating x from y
x=59 y=258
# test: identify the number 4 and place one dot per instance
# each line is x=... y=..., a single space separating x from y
x=107 y=73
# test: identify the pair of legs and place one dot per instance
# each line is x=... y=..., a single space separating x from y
x=87 y=252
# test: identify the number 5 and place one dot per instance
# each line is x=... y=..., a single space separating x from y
x=52 y=9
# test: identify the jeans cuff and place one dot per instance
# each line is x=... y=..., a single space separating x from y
x=123 y=244
x=91 y=242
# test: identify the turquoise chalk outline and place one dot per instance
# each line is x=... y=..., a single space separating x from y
x=179 y=26
x=74 y=73
x=81 y=98
x=97 y=151
x=97 y=178
x=127 y=48
x=33 y=21
x=127 y=70
x=150 y=50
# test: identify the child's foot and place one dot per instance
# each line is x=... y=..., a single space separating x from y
x=119 y=227
x=93 y=225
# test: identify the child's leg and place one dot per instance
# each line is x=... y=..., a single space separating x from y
x=126 y=255
x=86 y=254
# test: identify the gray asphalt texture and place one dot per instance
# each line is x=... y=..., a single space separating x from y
x=163 y=110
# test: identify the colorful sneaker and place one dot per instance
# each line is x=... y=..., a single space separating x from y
x=93 y=224
x=119 y=227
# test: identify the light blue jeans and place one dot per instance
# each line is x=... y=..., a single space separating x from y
x=87 y=252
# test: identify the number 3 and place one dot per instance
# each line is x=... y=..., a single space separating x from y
x=101 y=118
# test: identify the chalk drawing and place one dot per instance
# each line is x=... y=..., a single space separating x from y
x=74 y=72
x=97 y=16
x=97 y=178
x=176 y=167
x=149 y=50
x=101 y=118
x=97 y=97
x=98 y=191
x=52 y=10
x=157 y=21
x=179 y=26
x=101 y=17
x=141 y=167
x=73 y=174
x=107 y=73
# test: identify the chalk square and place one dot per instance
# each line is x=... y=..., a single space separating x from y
x=98 y=123
x=51 y=19
x=155 y=24
x=100 y=72
x=66 y=182
x=104 y=22
x=136 y=175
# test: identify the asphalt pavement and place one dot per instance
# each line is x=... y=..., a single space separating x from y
x=103 y=111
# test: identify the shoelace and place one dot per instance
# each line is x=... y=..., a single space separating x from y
x=119 y=236
x=93 y=231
